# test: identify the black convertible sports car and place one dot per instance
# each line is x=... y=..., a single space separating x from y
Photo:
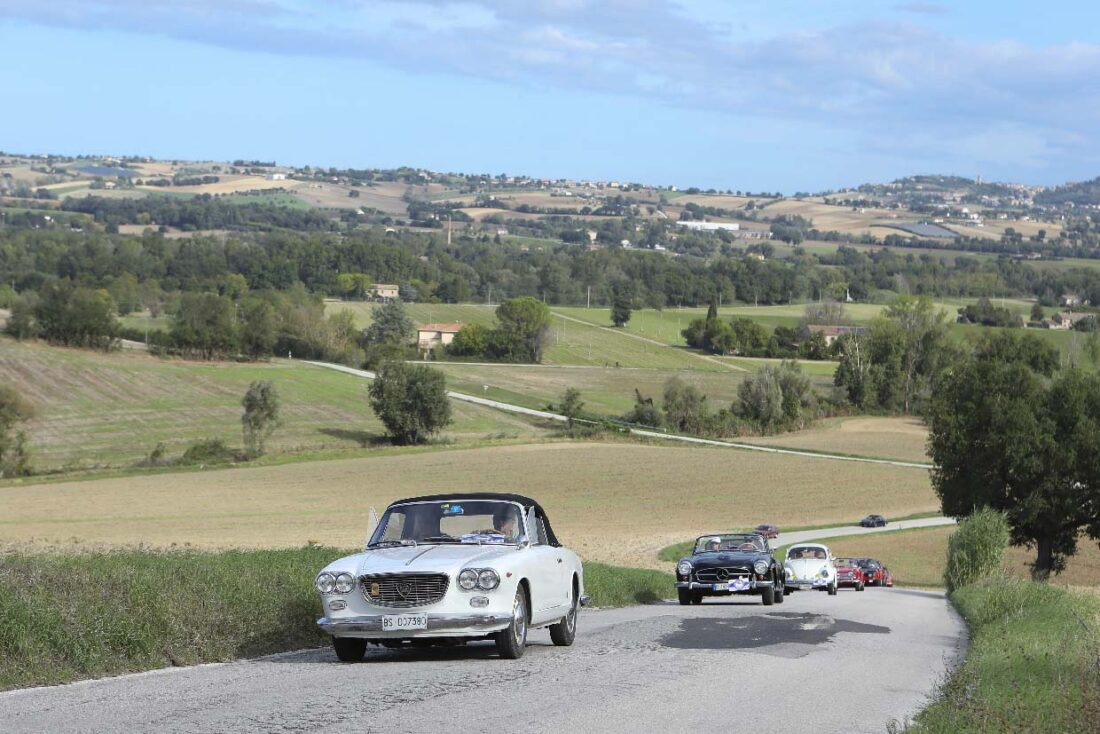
x=730 y=563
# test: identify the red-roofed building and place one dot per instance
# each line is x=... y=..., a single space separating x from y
x=429 y=336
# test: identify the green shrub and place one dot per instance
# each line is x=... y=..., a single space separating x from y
x=208 y=451
x=976 y=549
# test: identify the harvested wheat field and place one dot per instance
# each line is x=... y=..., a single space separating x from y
x=888 y=438
x=617 y=503
x=918 y=557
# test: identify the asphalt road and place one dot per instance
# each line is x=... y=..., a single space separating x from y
x=848 y=663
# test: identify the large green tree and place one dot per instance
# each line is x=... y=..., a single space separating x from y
x=74 y=316
x=622 y=301
x=523 y=326
x=261 y=415
x=1002 y=437
x=411 y=401
x=390 y=325
x=203 y=325
x=14 y=410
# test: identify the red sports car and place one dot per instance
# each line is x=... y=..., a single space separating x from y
x=874 y=573
x=849 y=573
x=768 y=531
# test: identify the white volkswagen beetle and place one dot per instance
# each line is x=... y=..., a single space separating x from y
x=451 y=568
x=810 y=566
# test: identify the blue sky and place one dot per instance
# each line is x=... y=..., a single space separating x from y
x=783 y=95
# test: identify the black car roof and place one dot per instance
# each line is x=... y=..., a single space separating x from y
x=527 y=503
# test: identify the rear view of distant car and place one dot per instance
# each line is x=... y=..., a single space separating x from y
x=873 y=521
x=768 y=531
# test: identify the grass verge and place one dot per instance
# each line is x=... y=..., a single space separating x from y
x=76 y=616
x=1033 y=663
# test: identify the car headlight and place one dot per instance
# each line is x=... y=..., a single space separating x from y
x=467 y=579
x=790 y=572
x=488 y=579
x=345 y=582
x=683 y=568
x=325 y=583
x=761 y=567
x=824 y=573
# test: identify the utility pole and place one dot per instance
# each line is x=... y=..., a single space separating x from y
x=589 y=305
x=448 y=230
x=489 y=302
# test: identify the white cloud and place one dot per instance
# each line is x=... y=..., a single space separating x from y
x=882 y=79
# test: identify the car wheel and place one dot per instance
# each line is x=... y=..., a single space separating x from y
x=832 y=590
x=859 y=587
x=564 y=632
x=684 y=595
x=768 y=595
x=512 y=640
x=349 y=649
x=696 y=598
x=779 y=594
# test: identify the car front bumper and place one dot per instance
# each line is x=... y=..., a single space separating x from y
x=754 y=585
x=439 y=625
x=818 y=583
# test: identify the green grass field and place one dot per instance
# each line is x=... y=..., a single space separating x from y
x=570 y=342
x=96 y=409
x=275 y=199
x=606 y=392
x=1031 y=665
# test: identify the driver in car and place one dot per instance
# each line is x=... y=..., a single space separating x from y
x=506 y=522
x=714 y=544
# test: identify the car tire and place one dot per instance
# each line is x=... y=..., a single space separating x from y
x=768 y=595
x=684 y=596
x=512 y=640
x=779 y=594
x=349 y=649
x=832 y=590
x=860 y=587
x=564 y=632
x=696 y=598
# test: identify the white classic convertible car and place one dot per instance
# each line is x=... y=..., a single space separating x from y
x=810 y=566
x=450 y=568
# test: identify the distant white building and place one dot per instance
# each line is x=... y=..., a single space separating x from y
x=711 y=226
x=276 y=177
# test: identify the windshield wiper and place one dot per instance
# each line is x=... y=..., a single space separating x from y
x=391 y=543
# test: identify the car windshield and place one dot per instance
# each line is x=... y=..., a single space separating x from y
x=478 y=521
x=804 y=552
x=845 y=563
x=747 y=542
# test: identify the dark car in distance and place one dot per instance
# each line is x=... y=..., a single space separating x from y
x=873 y=521
x=768 y=531
x=725 y=564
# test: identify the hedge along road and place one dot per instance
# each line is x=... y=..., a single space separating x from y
x=846 y=663
x=639 y=431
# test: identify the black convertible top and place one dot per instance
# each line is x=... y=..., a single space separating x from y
x=527 y=503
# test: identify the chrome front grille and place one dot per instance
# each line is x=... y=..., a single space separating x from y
x=718 y=575
x=403 y=589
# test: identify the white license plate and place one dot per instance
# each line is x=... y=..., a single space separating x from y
x=394 y=622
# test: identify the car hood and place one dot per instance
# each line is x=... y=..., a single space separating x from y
x=727 y=558
x=422 y=558
x=807 y=565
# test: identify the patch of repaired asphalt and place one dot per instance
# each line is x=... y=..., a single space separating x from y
x=766 y=630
